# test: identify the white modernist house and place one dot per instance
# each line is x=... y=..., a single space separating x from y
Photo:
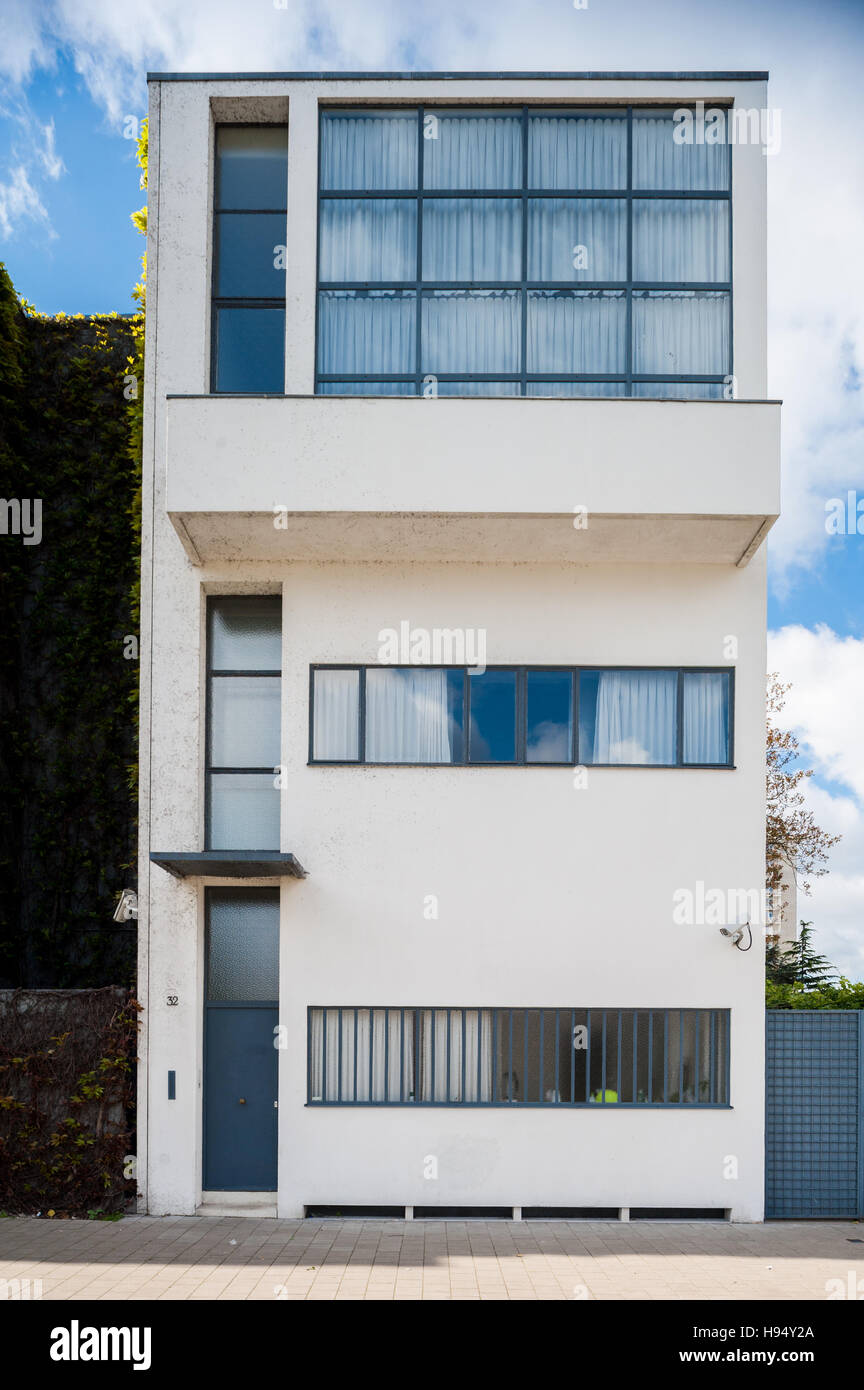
x=457 y=471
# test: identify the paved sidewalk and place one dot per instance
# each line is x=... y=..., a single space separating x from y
x=145 y=1257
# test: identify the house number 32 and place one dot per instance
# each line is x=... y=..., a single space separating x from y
x=173 y=998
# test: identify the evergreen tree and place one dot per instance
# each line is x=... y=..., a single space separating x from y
x=798 y=963
x=779 y=970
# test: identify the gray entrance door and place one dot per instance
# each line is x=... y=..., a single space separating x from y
x=241 y=1013
x=814 y=1121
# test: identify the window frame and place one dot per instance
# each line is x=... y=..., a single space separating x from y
x=522 y=671
x=217 y=301
x=222 y=892
x=209 y=676
x=720 y=1057
x=524 y=285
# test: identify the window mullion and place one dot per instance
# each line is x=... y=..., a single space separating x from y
x=523 y=349
x=628 y=329
x=418 y=304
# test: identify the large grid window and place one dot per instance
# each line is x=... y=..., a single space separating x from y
x=244 y=666
x=532 y=716
x=528 y=1057
x=522 y=252
x=249 y=236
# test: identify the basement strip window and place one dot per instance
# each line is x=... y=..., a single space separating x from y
x=426 y=716
x=529 y=1057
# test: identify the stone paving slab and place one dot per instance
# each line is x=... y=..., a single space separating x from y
x=265 y=1259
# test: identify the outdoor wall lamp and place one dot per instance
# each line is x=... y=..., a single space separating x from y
x=127 y=906
x=736 y=936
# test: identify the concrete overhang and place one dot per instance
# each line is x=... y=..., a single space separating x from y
x=511 y=480
x=225 y=863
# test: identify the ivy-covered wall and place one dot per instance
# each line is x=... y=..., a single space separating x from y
x=70 y=445
x=67 y=1072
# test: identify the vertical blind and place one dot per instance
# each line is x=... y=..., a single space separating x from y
x=470 y=269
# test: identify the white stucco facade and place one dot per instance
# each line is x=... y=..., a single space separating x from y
x=452 y=514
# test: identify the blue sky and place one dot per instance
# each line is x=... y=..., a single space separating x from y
x=72 y=71
x=83 y=256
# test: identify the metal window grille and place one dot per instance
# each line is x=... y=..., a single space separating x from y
x=526 y=1057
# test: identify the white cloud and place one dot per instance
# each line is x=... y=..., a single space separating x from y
x=20 y=202
x=47 y=155
x=24 y=47
x=823 y=708
x=32 y=159
x=836 y=904
x=816 y=303
x=826 y=699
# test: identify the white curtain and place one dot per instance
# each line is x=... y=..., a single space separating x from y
x=577 y=152
x=372 y=151
x=472 y=239
x=660 y=162
x=378 y=1055
x=369 y=332
x=573 y=331
x=478 y=388
x=691 y=1046
x=473 y=152
x=324 y=1060
x=471 y=331
x=635 y=720
x=470 y=1037
x=680 y=331
x=706 y=717
x=368 y=239
x=680 y=239
x=375 y=1050
x=679 y=390
x=337 y=706
x=577 y=388
x=367 y=388
x=406 y=716
x=558 y=226
x=721 y=1050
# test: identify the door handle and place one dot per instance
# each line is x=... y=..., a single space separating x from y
x=242 y=1100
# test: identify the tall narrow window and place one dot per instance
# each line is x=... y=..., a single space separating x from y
x=249 y=233
x=549 y=716
x=243 y=722
x=707 y=713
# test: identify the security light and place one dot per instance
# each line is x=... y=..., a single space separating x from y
x=127 y=906
x=736 y=936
